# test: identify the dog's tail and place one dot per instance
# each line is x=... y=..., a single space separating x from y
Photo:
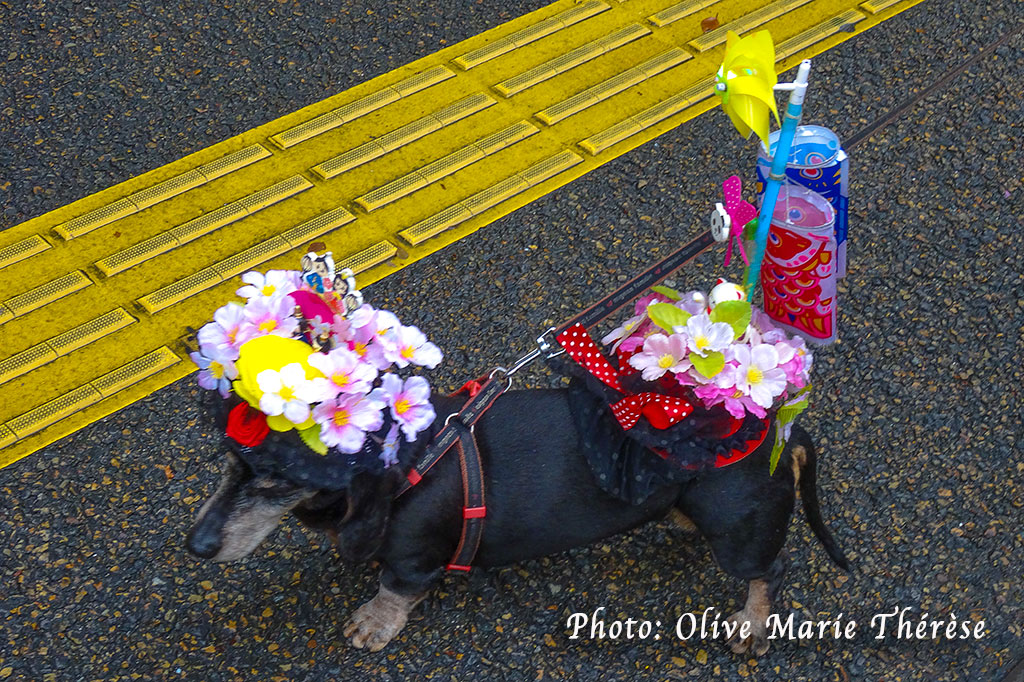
x=809 y=494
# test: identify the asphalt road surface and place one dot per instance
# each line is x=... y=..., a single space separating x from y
x=918 y=409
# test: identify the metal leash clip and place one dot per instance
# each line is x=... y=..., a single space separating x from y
x=545 y=346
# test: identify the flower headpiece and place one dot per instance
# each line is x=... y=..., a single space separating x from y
x=304 y=352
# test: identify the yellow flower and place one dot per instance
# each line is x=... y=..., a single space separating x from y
x=271 y=352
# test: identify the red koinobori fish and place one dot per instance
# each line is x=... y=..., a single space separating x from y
x=796 y=277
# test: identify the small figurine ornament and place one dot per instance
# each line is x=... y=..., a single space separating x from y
x=725 y=291
x=318 y=271
x=345 y=290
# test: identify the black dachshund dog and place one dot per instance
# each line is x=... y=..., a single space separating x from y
x=543 y=497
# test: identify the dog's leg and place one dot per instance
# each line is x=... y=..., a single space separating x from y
x=683 y=522
x=376 y=622
x=761 y=593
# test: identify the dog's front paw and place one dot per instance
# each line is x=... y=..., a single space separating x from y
x=756 y=641
x=376 y=622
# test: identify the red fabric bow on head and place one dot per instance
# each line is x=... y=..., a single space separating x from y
x=662 y=411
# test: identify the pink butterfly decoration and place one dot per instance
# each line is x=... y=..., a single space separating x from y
x=740 y=213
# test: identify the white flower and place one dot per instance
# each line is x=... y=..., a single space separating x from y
x=289 y=392
x=758 y=374
x=274 y=283
x=706 y=336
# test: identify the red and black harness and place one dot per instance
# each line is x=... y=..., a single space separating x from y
x=458 y=430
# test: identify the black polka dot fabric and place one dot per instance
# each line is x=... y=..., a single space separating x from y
x=625 y=463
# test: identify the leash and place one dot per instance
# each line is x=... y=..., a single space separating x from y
x=634 y=287
x=458 y=429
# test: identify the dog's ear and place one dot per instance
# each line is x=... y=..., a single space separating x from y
x=369 y=497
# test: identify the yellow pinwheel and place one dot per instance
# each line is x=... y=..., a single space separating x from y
x=745 y=81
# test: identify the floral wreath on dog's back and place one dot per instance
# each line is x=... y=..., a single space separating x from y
x=305 y=353
x=699 y=381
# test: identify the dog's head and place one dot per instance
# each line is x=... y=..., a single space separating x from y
x=248 y=504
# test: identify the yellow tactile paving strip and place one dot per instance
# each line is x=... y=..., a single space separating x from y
x=385 y=173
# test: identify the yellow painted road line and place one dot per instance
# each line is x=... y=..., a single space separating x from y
x=571 y=60
x=471 y=153
x=9 y=255
x=361 y=107
x=385 y=173
x=747 y=22
x=411 y=132
x=679 y=11
x=62 y=344
x=612 y=86
x=531 y=33
x=159 y=192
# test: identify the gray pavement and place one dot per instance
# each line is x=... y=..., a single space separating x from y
x=919 y=408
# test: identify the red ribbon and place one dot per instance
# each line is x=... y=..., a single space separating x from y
x=581 y=348
x=662 y=411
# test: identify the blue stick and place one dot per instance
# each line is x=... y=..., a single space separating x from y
x=777 y=174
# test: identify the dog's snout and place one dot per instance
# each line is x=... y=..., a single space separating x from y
x=204 y=542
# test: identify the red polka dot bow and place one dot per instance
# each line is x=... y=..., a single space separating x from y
x=662 y=411
x=581 y=348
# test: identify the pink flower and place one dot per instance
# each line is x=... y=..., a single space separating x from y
x=384 y=323
x=618 y=335
x=642 y=303
x=216 y=371
x=274 y=283
x=692 y=302
x=362 y=316
x=632 y=343
x=224 y=335
x=344 y=420
x=389 y=448
x=739 y=404
x=661 y=354
x=345 y=372
x=341 y=331
x=409 y=403
x=375 y=340
x=265 y=316
x=410 y=346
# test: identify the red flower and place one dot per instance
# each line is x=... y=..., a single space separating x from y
x=247 y=426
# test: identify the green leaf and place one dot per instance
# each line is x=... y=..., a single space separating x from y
x=311 y=437
x=788 y=413
x=672 y=294
x=777 y=449
x=667 y=316
x=708 y=366
x=736 y=314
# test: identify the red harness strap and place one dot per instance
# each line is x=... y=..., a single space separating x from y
x=457 y=433
x=473 y=507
